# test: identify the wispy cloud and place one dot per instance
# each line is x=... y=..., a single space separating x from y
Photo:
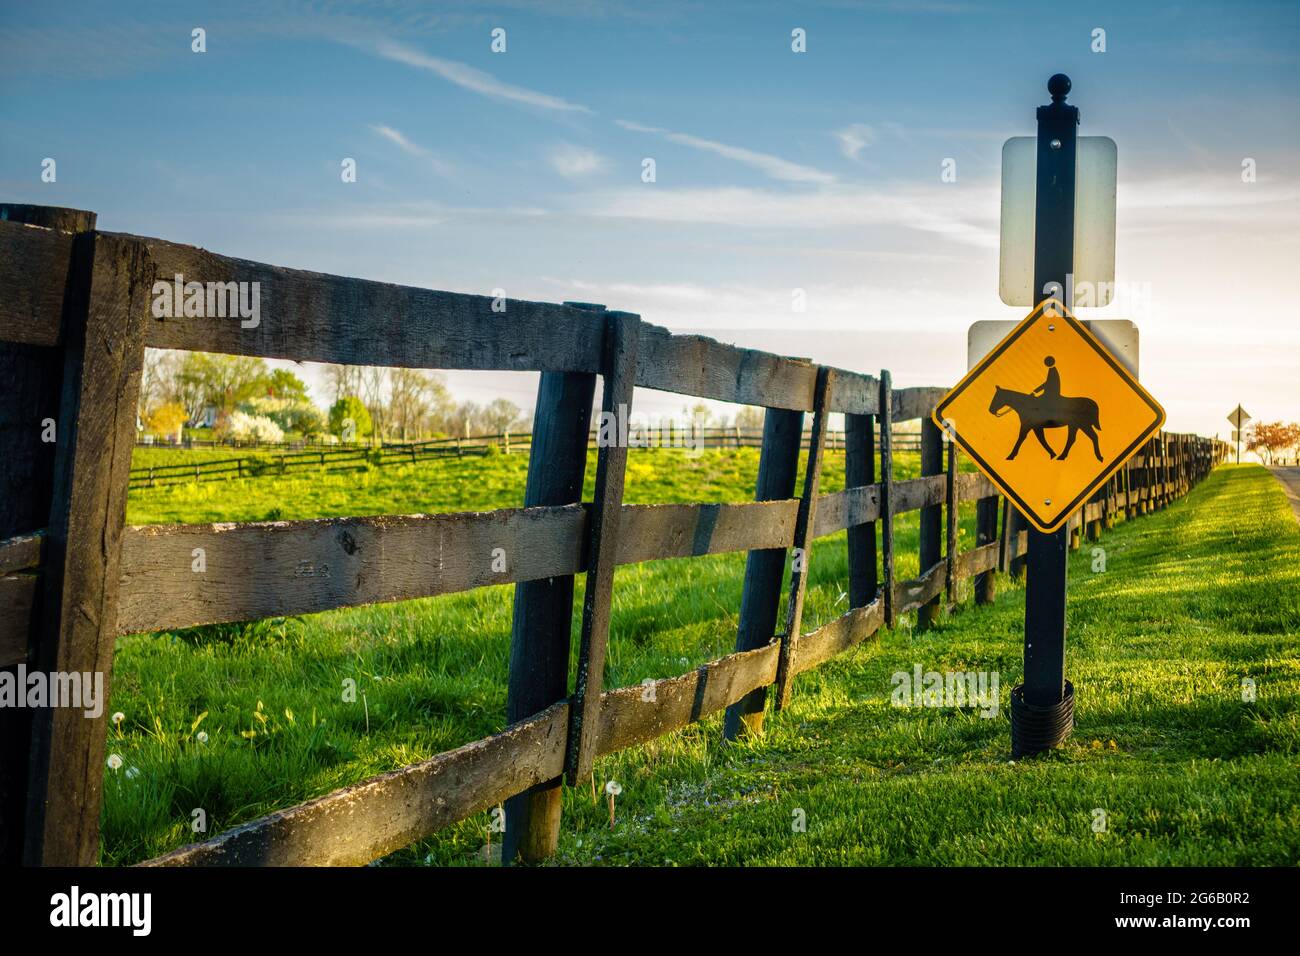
x=968 y=216
x=575 y=162
x=854 y=138
x=397 y=138
x=474 y=79
x=772 y=166
x=747 y=305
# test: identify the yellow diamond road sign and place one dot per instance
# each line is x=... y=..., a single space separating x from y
x=1049 y=415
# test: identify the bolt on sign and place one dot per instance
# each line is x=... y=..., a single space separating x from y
x=1049 y=414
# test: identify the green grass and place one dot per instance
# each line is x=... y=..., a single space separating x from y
x=1193 y=599
x=431 y=673
x=654 y=476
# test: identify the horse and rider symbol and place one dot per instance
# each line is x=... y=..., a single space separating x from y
x=1045 y=407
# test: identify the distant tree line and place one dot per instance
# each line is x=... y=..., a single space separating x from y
x=248 y=399
x=244 y=398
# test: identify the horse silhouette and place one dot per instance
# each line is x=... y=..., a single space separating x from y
x=1037 y=414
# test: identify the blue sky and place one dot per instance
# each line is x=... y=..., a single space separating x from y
x=775 y=170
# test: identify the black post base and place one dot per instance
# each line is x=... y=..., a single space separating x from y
x=1036 y=729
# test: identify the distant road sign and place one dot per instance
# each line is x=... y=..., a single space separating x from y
x=1236 y=435
x=1120 y=336
x=1096 y=166
x=1238 y=417
x=1049 y=373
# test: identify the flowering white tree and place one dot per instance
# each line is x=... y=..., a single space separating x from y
x=244 y=427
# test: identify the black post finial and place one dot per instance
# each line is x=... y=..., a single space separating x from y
x=1059 y=87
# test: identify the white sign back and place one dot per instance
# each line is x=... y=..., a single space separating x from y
x=1096 y=159
x=1120 y=336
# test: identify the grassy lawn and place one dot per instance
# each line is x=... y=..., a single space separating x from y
x=1192 y=600
x=431 y=674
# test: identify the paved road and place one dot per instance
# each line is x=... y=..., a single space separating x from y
x=1290 y=478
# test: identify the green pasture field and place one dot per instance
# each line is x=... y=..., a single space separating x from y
x=240 y=720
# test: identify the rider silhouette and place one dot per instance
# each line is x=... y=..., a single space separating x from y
x=1050 y=390
x=1045 y=408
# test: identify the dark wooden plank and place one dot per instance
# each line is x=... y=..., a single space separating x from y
x=21 y=552
x=917 y=593
x=887 y=494
x=760 y=599
x=1019 y=528
x=839 y=635
x=915 y=494
x=34 y=269
x=1004 y=538
x=17 y=594
x=854 y=394
x=619 y=375
x=702 y=367
x=543 y=610
x=972 y=486
x=977 y=562
x=104 y=352
x=358 y=824
x=269 y=569
x=276 y=568
x=930 y=538
x=310 y=316
x=849 y=508
x=910 y=403
x=801 y=562
x=1017 y=544
x=650 y=532
x=986 y=537
x=633 y=715
x=859 y=475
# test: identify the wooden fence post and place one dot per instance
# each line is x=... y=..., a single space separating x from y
x=104 y=335
x=543 y=611
x=778 y=464
x=887 y=492
x=618 y=370
x=1092 y=526
x=1014 y=522
x=986 y=532
x=801 y=563
x=1128 y=490
x=860 y=470
x=32 y=377
x=1148 y=476
x=931 y=519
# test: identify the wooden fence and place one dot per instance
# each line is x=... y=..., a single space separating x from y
x=75 y=319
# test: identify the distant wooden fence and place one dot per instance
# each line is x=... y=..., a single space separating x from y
x=354 y=457
x=75 y=319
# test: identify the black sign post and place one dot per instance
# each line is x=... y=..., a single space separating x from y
x=1042 y=708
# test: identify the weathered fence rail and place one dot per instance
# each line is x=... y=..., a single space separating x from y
x=69 y=587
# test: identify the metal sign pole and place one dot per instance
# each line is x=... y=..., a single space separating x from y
x=1042 y=709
